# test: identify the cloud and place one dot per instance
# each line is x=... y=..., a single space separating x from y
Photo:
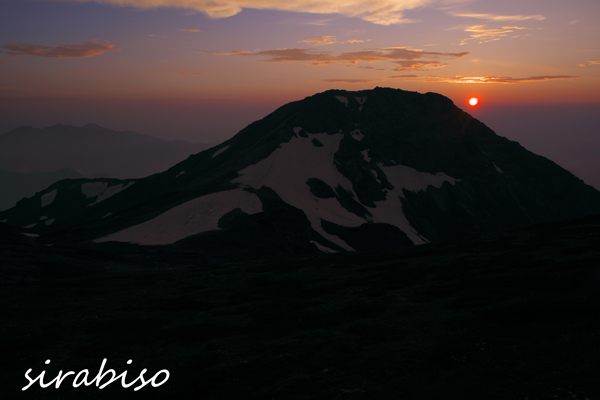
x=494 y=17
x=87 y=49
x=351 y=80
x=484 y=79
x=225 y=53
x=581 y=65
x=382 y=12
x=7 y=60
x=367 y=67
x=320 y=40
x=192 y=73
x=317 y=57
x=402 y=77
x=189 y=30
x=418 y=65
x=484 y=35
x=355 y=41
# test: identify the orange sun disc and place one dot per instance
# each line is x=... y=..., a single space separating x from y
x=473 y=101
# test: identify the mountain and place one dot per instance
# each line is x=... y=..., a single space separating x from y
x=337 y=171
x=17 y=185
x=96 y=151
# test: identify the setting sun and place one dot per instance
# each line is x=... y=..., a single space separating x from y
x=473 y=101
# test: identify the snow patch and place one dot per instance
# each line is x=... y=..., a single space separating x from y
x=29 y=226
x=33 y=235
x=4 y=220
x=101 y=191
x=219 y=151
x=195 y=216
x=323 y=248
x=365 y=154
x=93 y=189
x=181 y=173
x=50 y=221
x=288 y=168
x=402 y=177
x=357 y=134
x=497 y=168
x=107 y=215
x=48 y=198
x=343 y=99
x=43 y=218
x=361 y=101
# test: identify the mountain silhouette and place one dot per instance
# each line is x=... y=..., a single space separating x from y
x=338 y=171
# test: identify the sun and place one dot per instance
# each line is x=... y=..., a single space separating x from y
x=473 y=101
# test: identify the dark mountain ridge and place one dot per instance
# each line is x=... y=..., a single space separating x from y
x=337 y=171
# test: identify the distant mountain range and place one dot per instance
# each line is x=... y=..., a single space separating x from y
x=335 y=172
x=31 y=159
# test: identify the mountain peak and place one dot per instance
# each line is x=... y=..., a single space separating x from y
x=337 y=171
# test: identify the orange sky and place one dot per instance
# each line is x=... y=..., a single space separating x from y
x=201 y=70
x=103 y=56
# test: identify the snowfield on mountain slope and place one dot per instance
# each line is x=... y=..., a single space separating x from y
x=48 y=198
x=288 y=168
x=286 y=171
x=195 y=216
x=101 y=190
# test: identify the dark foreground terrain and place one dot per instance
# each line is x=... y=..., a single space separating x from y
x=513 y=315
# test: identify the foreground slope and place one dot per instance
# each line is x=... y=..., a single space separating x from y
x=337 y=171
x=510 y=315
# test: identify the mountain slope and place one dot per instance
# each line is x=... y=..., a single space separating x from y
x=16 y=185
x=337 y=171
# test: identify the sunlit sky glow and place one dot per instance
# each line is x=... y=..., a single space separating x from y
x=269 y=52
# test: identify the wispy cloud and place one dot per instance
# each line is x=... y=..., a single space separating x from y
x=316 y=57
x=226 y=53
x=495 y=17
x=367 y=67
x=320 y=40
x=590 y=63
x=355 y=41
x=189 y=30
x=485 y=35
x=87 y=49
x=7 y=60
x=192 y=73
x=382 y=12
x=402 y=77
x=418 y=65
x=483 y=79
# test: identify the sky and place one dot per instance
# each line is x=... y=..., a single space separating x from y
x=201 y=70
